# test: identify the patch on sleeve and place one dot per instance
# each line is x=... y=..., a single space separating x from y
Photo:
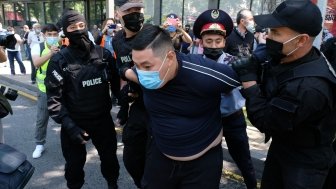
x=282 y=114
x=284 y=105
x=57 y=76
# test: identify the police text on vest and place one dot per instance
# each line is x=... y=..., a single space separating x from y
x=92 y=82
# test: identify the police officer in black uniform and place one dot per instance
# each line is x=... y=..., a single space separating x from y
x=295 y=102
x=130 y=13
x=212 y=27
x=329 y=50
x=77 y=85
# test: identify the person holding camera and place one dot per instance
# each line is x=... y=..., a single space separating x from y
x=78 y=95
x=174 y=26
x=291 y=97
x=107 y=34
x=6 y=41
x=212 y=27
x=41 y=54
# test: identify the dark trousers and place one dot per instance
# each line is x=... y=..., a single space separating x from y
x=33 y=68
x=134 y=138
x=234 y=131
x=279 y=175
x=164 y=173
x=330 y=182
x=17 y=56
x=103 y=137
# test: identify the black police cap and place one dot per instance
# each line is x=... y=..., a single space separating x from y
x=302 y=16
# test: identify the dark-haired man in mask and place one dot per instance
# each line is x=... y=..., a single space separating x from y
x=294 y=102
x=77 y=86
x=241 y=39
x=130 y=14
x=212 y=27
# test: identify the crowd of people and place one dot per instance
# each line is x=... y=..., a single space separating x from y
x=182 y=89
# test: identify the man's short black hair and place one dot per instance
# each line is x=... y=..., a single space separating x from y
x=155 y=38
x=49 y=28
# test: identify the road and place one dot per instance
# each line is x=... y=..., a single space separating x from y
x=19 y=133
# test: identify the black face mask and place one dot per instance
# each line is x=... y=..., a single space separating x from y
x=213 y=53
x=133 y=21
x=79 y=39
x=274 y=50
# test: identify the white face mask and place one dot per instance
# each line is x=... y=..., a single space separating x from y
x=250 y=26
x=37 y=31
x=290 y=41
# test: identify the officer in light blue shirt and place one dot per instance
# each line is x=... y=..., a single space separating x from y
x=212 y=27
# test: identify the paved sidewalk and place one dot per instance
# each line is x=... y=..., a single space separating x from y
x=23 y=83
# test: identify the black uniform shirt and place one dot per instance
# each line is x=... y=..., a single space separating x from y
x=78 y=90
x=295 y=114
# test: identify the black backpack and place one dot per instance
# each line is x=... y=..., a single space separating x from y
x=15 y=170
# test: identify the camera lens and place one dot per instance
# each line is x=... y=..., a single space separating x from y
x=9 y=93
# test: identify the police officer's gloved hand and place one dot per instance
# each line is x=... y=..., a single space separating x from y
x=75 y=133
x=246 y=68
x=125 y=93
x=122 y=115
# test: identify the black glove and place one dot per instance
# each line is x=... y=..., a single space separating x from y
x=124 y=97
x=124 y=101
x=75 y=133
x=246 y=68
x=122 y=115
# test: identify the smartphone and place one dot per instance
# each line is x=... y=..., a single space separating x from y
x=172 y=21
x=112 y=26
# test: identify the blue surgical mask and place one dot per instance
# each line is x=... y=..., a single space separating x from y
x=151 y=79
x=110 y=31
x=171 y=29
x=52 y=40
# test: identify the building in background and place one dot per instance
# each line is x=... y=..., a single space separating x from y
x=18 y=13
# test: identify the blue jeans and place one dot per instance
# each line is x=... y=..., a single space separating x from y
x=27 y=51
x=17 y=56
x=42 y=117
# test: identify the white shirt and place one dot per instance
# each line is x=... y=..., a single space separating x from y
x=33 y=38
x=35 y=49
